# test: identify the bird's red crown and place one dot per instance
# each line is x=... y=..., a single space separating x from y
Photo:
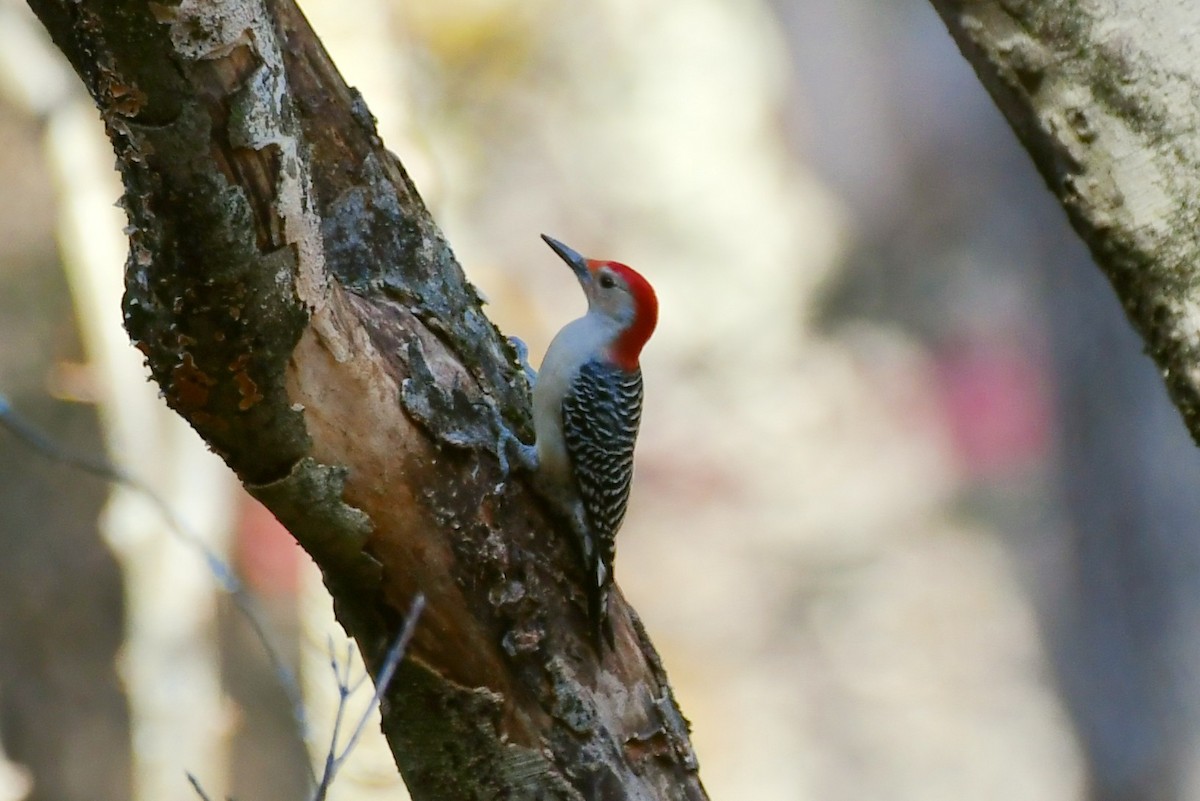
x=628 y=346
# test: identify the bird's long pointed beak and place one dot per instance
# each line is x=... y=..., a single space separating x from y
x=576 y=262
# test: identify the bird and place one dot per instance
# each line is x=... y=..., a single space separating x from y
x=587 y=408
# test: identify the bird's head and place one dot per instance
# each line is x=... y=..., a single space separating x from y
x=619 y=293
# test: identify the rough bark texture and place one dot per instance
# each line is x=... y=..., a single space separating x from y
x=298 y=306
x=1105 y=95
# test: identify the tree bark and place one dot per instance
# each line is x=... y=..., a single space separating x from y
x=297 y=305
x=1105 y=96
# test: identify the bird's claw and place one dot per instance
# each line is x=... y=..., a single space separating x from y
x=523 y=358
x=508 y=443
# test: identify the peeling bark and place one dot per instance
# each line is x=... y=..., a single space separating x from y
x=1105 y=96
x=298 y=306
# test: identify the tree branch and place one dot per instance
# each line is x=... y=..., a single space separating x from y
x=1105 y=96
x=298 y=306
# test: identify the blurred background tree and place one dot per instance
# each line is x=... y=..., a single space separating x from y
x=890 y=535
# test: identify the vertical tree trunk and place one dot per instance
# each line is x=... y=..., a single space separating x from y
x=171 y=603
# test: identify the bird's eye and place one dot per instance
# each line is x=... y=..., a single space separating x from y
x=607 y=282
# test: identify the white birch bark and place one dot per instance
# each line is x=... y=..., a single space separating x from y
x=1105 y=96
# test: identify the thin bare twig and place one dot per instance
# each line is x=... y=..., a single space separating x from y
x=395 y=655
x=196 y=786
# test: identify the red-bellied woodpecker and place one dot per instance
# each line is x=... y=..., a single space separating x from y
x=587 y=404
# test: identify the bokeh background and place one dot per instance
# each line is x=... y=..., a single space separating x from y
x=913 y=517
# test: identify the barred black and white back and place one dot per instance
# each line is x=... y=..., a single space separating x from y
x=601 y=413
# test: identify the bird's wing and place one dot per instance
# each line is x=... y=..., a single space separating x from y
x=601 y=413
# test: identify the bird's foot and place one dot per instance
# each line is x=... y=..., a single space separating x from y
x=509 y=445
x=523 y=359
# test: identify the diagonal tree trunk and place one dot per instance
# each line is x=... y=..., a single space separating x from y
x=1105 y=96
x=298 y=306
